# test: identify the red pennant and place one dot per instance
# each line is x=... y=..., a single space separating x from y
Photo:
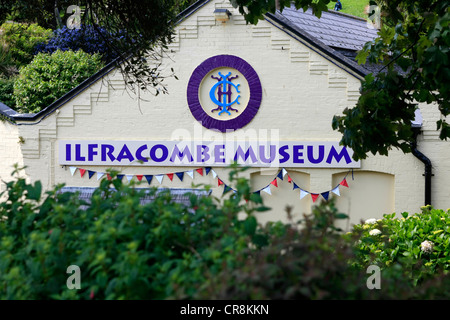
x=170 y=175
x=344 y=183
x=200 y=171
x=289 y=179
x=220 y=182
x=274 y=182
x=314 y=196
x=109 y=177
x=82 y=171
x=139 y=177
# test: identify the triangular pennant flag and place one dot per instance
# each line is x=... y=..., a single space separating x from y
x=219 y=182
x=108 y=176
x=325 y=195
x=284 y=172
x=258 y=192
x=200 y=171
x=82 y=172
x=100 y=175
x=274 y=182
x=296 y=186
x=267 y=190
x=170 y=175
x=226 y=189
x=139 y=177
x=207 y=170
x=303 y=193
x=120 y=176
x=91 y=173
x=214 y=173
x=180 y=175
x=149 y=178
x=289 y=179
x=314 y=196
x=190 y=173
x=280 y=175
x=344 y=183
x=129 y=177
x=336 y=191
x=159 y=177
x=72 y=170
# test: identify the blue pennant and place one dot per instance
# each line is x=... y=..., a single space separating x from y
x=207 y=169
x=149 y=178
x=295 y=186
x=325 y=195
x=226 y=189
x=120 y=176
x=280 y=175
x=91 y=173
x=258 y=192
x=180 y=175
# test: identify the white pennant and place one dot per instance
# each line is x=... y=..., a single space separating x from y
x=267 y=190
x=214 y=173
x=336 y=191
x=284 y=172
x=159 y=177
x=129 y=177
x=100 y=175
x=190 y=174
x=72 y=170
x=303 y=193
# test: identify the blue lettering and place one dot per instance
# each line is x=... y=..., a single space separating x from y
x=165 y=153
x=78 y=156
x=139 y=153
x=311 y=154
x=177 y=153
x=240 y=153
x=125 y=154
x=262 y=153
x=297 y=154
x=68 y=152
x=202 y=153
x=107 y=150
x=284 y=154
x=91 y=152
x=338 y=156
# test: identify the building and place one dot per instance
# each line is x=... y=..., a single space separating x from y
x=276 y=85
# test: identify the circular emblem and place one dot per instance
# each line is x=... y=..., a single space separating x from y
x=224 y=93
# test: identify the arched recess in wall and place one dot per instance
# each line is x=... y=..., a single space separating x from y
x=282 y=196
x=370 y=195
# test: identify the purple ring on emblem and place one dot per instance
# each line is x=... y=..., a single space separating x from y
x=196 y=79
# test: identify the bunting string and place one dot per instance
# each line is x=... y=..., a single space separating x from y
x=281 y=175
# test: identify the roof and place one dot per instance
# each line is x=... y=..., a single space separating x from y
x=334 y=29
x=336 y=36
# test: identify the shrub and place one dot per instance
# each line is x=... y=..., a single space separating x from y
x=421 y=242
x=210 y=249
x=21 y=39
x=86 y=38
x=7 y=92
x=50 y=76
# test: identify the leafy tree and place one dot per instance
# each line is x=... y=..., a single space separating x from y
x=413 y=47
x=146 y=27
x=49 y=76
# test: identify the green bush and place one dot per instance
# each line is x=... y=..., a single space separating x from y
x=21 y=39
x=421 y=242
x=7 y=92
x=50 y=76
x=210 y=249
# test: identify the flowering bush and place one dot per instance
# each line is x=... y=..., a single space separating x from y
x=86 y=38
x=420 y=242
